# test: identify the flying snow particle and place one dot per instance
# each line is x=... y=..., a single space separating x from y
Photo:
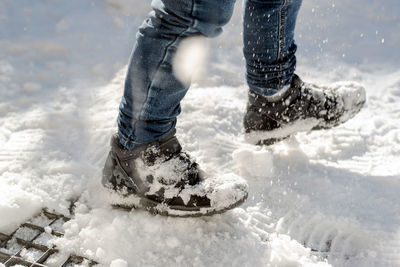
x=190 y=59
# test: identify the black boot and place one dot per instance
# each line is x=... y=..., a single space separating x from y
x=303 y=107
x=162 y=179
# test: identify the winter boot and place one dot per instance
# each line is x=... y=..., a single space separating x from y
x=162 y=179
x=303 y=107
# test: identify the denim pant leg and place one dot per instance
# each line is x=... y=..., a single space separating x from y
x=269 y=47
x=152 y=93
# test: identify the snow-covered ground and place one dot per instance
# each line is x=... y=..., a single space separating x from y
x=317 y=199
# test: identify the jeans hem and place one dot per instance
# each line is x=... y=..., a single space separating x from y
x=130 y=145
x=270 y=94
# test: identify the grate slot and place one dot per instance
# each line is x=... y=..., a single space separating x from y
x=46 y=255
x=29 y=244
x=4 y=257
x=57 y=225
x=41 y=229
x=20 y=261
x=74 y=260
x=4 y=239
x=54 y=216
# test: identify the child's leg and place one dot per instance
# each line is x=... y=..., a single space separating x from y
x=269 y=47
x=152 y=95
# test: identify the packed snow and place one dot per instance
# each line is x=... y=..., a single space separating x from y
x=326 y=198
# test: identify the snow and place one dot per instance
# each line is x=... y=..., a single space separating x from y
x=119 y=263
x=62 y=67
x=16 y=205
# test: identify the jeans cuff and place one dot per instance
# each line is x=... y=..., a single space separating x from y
x=130 y=144
x=126 y=142
x=271 y=95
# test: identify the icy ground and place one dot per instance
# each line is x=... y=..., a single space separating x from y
x=318 y=199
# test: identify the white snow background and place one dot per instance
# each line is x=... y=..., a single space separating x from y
x=62 y=66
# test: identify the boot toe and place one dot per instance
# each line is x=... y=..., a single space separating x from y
x=353 y=97
x=229 y=190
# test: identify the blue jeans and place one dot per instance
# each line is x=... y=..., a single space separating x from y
x=152 y=95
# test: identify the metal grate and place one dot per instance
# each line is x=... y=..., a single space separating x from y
x=27 y=246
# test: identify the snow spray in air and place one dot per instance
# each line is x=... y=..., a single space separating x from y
x=190 y=59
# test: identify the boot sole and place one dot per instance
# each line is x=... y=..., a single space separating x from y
x=134 y=202
x=268 y=138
